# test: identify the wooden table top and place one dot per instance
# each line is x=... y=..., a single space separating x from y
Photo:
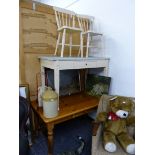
x=70 y=107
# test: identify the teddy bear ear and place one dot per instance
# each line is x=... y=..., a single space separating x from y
x=132 y=102
x=112 y=101
x=113 y=98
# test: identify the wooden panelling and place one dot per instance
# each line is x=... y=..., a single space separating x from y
x=25 y=4
x=21 y=52
x=38 y=51
x=37 y=6
x=39 y=31
x=44 y=8
x=32 y=67
x=38 y=35
x=38 y=38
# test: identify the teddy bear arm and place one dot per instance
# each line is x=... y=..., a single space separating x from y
x=101 y=117
x=131 y=121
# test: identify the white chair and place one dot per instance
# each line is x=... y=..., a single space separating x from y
x=66 y=23
x=86 y=23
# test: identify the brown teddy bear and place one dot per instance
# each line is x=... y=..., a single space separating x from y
x=116 y=119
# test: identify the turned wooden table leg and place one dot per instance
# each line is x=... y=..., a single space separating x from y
x=50 y=138
x=36 y=124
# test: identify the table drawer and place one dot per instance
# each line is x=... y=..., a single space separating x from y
x=85 y=64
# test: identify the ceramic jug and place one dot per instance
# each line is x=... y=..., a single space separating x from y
x=50 y=103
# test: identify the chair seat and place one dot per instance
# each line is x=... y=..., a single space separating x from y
x=70 y=29
x=92 y=33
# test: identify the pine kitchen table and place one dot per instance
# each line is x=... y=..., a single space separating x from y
x=70 y=107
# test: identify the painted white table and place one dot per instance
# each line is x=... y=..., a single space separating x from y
x=65 y=63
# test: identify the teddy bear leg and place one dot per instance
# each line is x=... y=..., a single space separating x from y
x=127 y=143
x=109 y=142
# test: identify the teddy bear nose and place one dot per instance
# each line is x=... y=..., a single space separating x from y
x=124 y=114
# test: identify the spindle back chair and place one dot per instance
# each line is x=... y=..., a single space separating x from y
x=66 y=23
x=87 y=25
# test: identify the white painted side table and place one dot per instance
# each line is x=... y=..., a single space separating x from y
x=65 y=63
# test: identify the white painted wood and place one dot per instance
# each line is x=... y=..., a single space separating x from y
x=49 y=64
x=62 y=10
x=70 y=44
x=79 y=51
x=57 y=20
x=43 y=77
x=86 y=24
x=66 y=20
x=69 y=20
x=88 y=41
x=52 y=58
x=57 y=44
x=64 y=63
x=63 y=42
x=63 y=21
x=81 y=44
x=56 y=82
x=66 y=26
x=70 y=29
x=73 y=21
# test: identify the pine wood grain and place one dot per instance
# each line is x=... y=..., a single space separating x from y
x=70 y=107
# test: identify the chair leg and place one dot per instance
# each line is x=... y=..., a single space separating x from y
x=79 y=52
x=63 y=42
x=70 y=44
x=81 y=44
x=88 y=42
x=57 y=44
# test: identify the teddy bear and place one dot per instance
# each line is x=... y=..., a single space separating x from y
x=116 y=119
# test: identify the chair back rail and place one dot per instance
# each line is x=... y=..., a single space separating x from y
x=85 y=22
x=64 y=17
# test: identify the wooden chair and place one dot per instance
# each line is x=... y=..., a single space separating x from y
x=66 y=23
x=86 y=24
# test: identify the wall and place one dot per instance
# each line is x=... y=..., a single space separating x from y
x=115 y=19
